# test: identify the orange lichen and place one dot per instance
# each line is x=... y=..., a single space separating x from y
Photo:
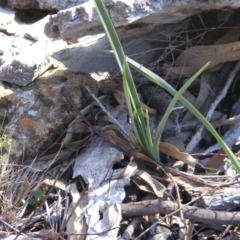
x=26 y=122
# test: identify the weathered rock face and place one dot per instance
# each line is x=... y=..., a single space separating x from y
x=83 y=20
x=130 y=18
x=44 y=4
x=77 y=22
x=139 y=44
x=25 y=52
x=39 y=112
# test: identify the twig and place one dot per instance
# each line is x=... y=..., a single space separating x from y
x=178 y=196
x=178 y=200
x=13 y=228
x=197 y=137
x=225 y=232
x=173 y=209
x=149 y=228
x=223 y=121
x=130 y=229
x=70 y=215
x=185 y=126
x=114 y=120
x=189 y=212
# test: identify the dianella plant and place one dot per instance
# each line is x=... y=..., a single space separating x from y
x=140 y=122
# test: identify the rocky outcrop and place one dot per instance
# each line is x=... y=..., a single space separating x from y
x=137 y=23
x=83 y=20
x=44 y=4
x=30 y=93
x=25 y=52
x=39 y=112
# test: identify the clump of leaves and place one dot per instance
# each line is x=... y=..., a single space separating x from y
x=140 y=125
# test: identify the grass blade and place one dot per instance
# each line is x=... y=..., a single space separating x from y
x=169 y=110
x=132 y=99
x=159 y=81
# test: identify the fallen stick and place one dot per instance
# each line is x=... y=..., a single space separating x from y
x=189 y=212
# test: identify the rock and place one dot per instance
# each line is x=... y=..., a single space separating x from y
x=44 y=4
x=37 y=110
x=24 y=52
x=37 y=113
x=86 y=56
x=138 y=43
x=83 y=20
x=137 y=24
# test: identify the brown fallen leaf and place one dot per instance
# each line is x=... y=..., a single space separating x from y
x=183 y=65
x=76 y=145
x=112 y=137
x=144 y=158
x=172 y=151
x=231 y=36
x=155 y=187
x=215 y=161
x=45 y=162
x=77 y=126
x=59 y=184
x=101 y=119
x=77 y=224
x=197 y=56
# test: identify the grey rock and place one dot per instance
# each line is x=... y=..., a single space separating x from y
x=139 y=43
x=83 y=20
x=38 y=112
x=136 y=23
x=25 y=52
x=87 y=56
x=43 y=4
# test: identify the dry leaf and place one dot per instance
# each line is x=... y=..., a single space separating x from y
x=216 y=161
x=172 y=151
x=156 y=187
x=197 y=56
x=135 y=141
x=175 y=141
x=144 y=158
x=112 y=136
x=129 y=171
x=77 y=223
x=116 y=111
x=76 y=127
x=142 y=185
x=112 y=128
x=57 y=184
x=183 y=67
x=42 y=234
x=101 y=119
x=45 y=162
x=77 y=145
x=231 y=36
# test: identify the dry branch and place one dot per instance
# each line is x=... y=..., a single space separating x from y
x=192 y=213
